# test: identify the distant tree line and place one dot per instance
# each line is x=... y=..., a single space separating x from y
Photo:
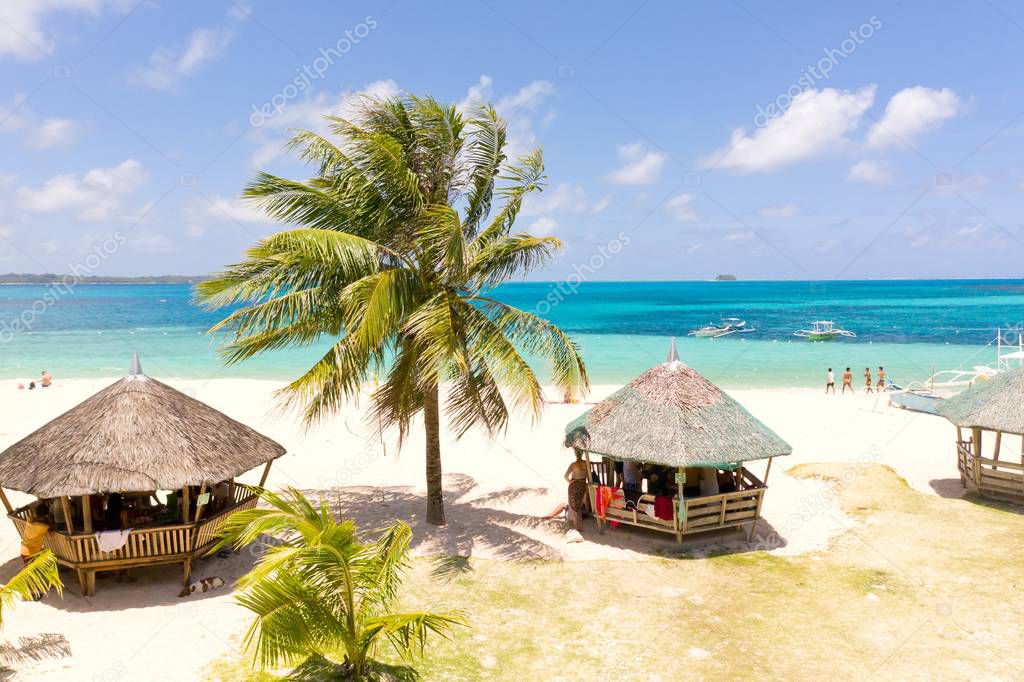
x=50 y=278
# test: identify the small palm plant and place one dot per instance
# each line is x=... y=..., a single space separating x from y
x=34 y=580
x=37 y=578
x=323 y=599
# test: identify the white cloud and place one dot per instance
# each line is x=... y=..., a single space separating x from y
x=911 y=112
x=96 y=196
x=168 y=66
x=22 y=34
x=15 y=116
x=565 y=197
x=826 y=245
x=148 y=241
x=683 y=207
x=309 y=114
x=740 y=236
x=50 y=132
x=693 y=248
x=970 y=230
x=870 y=173
x=518 y=109
x=817 y=122
x=54 y=132
x=641 y=166
x=779 y=211
x=195 y=231
x=219 y=209
x=543 y=226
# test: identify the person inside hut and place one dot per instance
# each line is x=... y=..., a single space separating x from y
x=34 y=535
x=221 y=497
x=631 y=475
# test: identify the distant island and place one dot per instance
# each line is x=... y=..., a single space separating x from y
x=51 y=278
x=725 y=278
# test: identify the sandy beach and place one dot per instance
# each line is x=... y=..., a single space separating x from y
x=496 y=491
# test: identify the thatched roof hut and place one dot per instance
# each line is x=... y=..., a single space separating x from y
x=993 y=405
x=137 y=434
x=672 y=415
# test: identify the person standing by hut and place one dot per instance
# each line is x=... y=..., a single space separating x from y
x=577 y=475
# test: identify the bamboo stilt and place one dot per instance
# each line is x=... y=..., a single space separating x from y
x=184 y=504
x=86 y=514
x=7 y=503
x=67 y=514
x=767 y=470
x=199 y=503
x=266 y=472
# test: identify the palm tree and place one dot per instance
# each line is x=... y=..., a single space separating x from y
x=402 y=240
x=34 y=580
x=318 y=592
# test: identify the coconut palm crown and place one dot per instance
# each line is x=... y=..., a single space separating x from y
x=404 y=230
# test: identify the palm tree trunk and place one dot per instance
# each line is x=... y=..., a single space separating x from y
x=432 y=424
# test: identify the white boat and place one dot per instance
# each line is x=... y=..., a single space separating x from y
x=729 y=325
x=925 y=396
x=823 y=330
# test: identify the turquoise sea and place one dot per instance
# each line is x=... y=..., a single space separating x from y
x=910 y=327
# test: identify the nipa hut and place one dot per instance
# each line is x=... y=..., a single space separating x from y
x=136 y=475
x=670 y=452
x=995 y=407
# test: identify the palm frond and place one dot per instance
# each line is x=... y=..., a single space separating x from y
x=37 y=578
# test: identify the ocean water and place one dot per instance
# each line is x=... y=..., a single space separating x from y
x=910 y=327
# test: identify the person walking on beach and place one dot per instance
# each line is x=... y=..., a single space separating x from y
x=867 y=380
x=881 y=379
x=831 y=382
x=847 y=380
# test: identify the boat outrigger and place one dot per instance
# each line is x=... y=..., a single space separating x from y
x=729 y=325
x=823 y=330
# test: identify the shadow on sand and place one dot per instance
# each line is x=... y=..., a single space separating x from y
x=476 y=527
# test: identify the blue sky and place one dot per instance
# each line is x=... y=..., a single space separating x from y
x=682 y=140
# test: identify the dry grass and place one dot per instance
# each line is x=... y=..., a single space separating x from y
x=922 y=588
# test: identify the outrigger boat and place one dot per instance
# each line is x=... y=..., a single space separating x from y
x=925 y=396
x=823 y=330
x=729 y=325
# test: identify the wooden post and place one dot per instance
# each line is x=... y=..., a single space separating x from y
x=184 y=504
x=7 y=503
x=199 y=503
x=266 y=472
x=767 y=470
x=67 y=514
x=999 y=442
x=976 y=435
x=86 y=514
x=739 y=478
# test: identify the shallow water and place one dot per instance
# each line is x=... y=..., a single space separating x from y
x=910 y=327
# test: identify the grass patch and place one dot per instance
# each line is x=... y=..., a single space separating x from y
x=923 y=588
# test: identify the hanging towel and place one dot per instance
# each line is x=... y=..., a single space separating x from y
x=663 y=507
x=112 y=540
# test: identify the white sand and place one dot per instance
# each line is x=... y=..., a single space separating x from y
x=495 y=493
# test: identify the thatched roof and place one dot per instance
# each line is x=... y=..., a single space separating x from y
x=136 y=434
x=672 y=415
x=996 y=404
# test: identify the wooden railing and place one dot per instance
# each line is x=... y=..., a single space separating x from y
x=998 y=478
x=704 y=513
x=143 y=545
